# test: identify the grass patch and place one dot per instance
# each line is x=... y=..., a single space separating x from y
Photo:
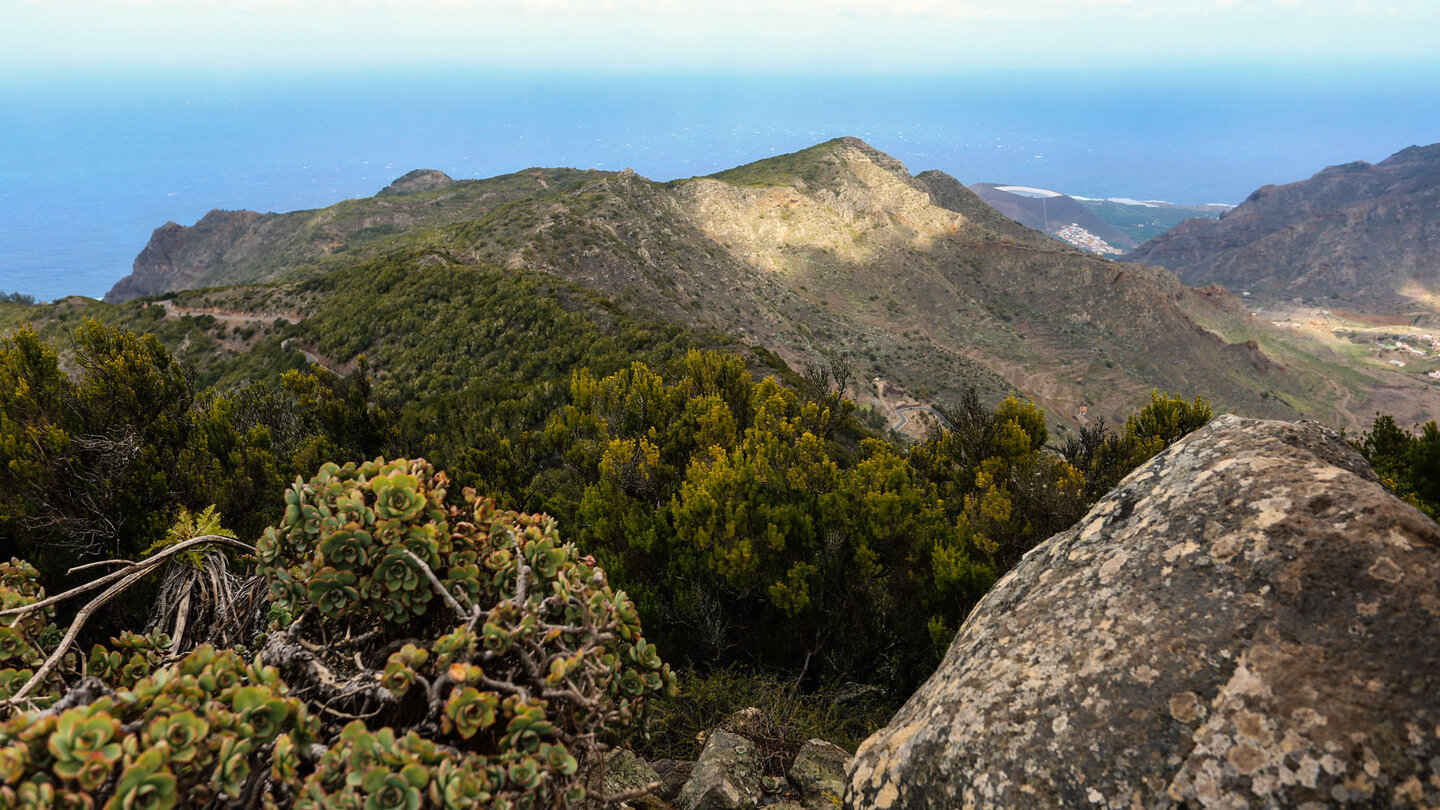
x=844 y=714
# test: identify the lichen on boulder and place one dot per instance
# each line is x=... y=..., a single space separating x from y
x=1248 y=620
x=726 y=777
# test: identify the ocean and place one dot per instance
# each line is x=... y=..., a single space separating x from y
x=90 y=165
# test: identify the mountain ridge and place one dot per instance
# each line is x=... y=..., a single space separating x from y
x=1359 y=233
x=837 y=248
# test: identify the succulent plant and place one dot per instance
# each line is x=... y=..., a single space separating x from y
x=479 y=627
x=181 y=736
x=146 y=784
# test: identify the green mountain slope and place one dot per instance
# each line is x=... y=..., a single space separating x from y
x=241 y=247
x=833 y=249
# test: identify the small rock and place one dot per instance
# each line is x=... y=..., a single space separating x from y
x=819 y=774
x=674 y=773
x=753 y=723
x=726 y=777
x=625 y=772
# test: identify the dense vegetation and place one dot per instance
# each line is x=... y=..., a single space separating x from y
x=1408 y=463
x=429 y=647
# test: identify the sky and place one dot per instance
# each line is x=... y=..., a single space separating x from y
x=45 y=37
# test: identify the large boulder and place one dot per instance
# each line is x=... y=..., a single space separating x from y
x=1249 y=620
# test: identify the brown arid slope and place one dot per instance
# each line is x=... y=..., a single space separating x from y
x=1358 y=236
x=838 y=248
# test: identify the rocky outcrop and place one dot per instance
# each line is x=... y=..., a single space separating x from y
x=416 y=182
x=627 y=773
x=1359 y=233
x=244 y=247
x=726 y=777
x=1248 y=620
x=176 y=256
x=818 y=772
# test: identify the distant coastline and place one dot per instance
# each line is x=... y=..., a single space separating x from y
x=98 y=166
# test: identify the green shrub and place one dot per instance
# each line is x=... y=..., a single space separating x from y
x=417 y=656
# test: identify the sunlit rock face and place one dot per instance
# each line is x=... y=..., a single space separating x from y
x=1248 y=620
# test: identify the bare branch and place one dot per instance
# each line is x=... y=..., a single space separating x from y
x=70 y=634
x=148 y=564
x=126 y=563
x=440 y=588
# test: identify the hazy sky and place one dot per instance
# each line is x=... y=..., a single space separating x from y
x=64 y=36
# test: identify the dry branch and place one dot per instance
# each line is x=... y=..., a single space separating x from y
x=119 y=582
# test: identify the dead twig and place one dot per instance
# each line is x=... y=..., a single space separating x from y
x=149 y=563
x=465 y=615
x=119 y=582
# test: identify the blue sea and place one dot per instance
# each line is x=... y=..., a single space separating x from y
x=90 y=165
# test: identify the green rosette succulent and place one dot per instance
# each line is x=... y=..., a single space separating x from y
x=182 y=732
x=397 y=496
x=261 y=713
x=232 y=766
x=285 y=761
x=332 y=590
x=146 y=784
x=469 y=710
x=385 y=790
x=397 y=571
x=79 y=734
x=183 y=735
x=347 y=548
x=11 y=680
x=557 y=758
x=528 y=724
x=13 y=645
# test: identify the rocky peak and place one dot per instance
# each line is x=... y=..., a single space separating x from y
x=1415 y=154
x=417 y=181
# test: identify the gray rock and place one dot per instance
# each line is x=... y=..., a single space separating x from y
x=674 y=773
x=624 y=772
x=1248 y=620
x=726 y=777
x=818 y=772
x=417 y=181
